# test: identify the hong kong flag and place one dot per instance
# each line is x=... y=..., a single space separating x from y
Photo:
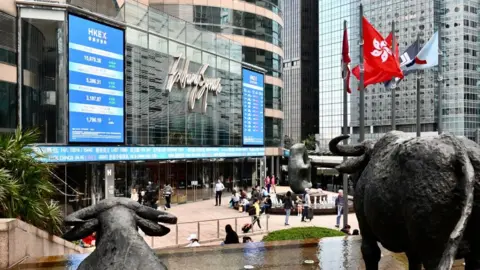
x=380 y=64
x=371 y=74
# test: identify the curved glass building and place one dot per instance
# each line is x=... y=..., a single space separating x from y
x=258 y=26
x=125 y=94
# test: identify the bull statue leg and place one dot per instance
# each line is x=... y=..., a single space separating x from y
x=370 y=250
x=414 y=261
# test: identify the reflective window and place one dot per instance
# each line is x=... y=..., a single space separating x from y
x=236 y=22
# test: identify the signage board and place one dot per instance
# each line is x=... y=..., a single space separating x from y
x=64 y=154
x=198 y=85
x=109 y=180
x=253 y=107
x=95 y=82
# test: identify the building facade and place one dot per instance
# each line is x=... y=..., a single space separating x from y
x=300 y=76
x=258 y=26
x=459 y=34
x=183 y=91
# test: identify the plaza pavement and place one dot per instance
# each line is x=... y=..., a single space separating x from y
x=188 y=214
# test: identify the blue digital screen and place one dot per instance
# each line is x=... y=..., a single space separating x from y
x=64 y=154
x=96 y=82
x=253 y=107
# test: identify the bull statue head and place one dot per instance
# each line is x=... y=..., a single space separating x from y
x=116 y=222
x=299 y=169
x=360 y=153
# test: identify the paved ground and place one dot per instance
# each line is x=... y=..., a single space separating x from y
x=188 y=215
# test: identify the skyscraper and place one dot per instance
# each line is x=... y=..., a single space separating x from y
x=459 y=34
x=331 y=15
x=300 y=69
x=257 y=26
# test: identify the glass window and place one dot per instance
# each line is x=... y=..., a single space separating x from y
x=136 y=14
x=176 y=29
x=8 y=105
x=43 y=85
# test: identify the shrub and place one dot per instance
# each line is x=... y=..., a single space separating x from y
x=25 y=187
x=301 y=234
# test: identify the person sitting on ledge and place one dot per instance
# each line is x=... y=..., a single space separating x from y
x=267 y=205
x=247 y=239
x=88 y=241
x=234 y=200
x=193 y=241
x=231 y=237
x=346 y=229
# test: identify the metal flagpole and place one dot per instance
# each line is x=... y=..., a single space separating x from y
x=361 y=88
x=418 y=100
x=440 y=80
x=393 y=106
x=345 y=132
x=418 y=104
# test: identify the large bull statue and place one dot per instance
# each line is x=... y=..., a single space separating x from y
x=416 y=195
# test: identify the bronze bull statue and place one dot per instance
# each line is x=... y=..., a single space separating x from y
x=119 y=246
x=416 y=195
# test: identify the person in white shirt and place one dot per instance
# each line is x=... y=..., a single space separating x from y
x=306 y=204
x=218 y=192
x=193 y=241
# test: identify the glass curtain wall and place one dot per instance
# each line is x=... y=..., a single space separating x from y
x=43 y=74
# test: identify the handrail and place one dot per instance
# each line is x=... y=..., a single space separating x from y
x=215 y=233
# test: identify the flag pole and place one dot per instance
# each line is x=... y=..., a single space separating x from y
x=440 y=80
x=393 y=106
x=361 y=88
x=345 y=132
x=418 y=98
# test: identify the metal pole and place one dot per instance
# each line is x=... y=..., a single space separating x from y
x=345 y=132
x=418 y=105
x=393 y=107
x=176 y=234
x=198 y=230
x=440 y=80
x=361 y=88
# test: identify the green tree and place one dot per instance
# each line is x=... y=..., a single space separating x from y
x=310 y=142
x=25 y=184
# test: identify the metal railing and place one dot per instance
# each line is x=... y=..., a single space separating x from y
x=209 y=230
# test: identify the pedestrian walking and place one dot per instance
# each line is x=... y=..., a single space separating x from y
x=288 y=206
x=267 y=183
x=299 y=206
x=219 y=187
x=256 y=216
x=339 y=203
x=167 y=194
x=306 y=204
x=273 y=184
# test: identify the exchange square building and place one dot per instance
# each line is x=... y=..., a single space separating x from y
x=127 y=97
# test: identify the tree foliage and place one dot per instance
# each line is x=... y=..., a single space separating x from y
x=25 y=185
x=310 y=142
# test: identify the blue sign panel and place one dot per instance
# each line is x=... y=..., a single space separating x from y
x=253 y=107
x=96 y=88
x=63 y=154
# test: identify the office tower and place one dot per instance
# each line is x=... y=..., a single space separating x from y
x=459 y=34
x=300 y=69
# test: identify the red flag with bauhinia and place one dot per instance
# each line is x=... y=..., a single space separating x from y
x=346 y=61
x=379 y=62
x=372 y=75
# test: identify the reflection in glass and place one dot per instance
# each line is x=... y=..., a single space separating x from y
x=43 y=83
